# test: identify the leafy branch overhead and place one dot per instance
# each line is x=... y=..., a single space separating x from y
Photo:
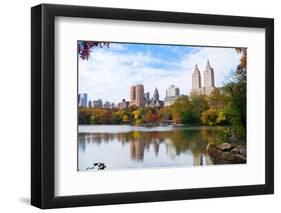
x=85 y=48
x=242 y=67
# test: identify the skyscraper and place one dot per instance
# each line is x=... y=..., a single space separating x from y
x=124 y=104
x=156 y=95
x=146 y=97
x=137 y=95
x=172 y=94
x=209 y=81
x=90 y=104
x=133 y=95
x=172 y=91
x=106 y=104
x=196 y=78
x=97 y=103
x=140 y=95
x=155 y=102
x=83 y=100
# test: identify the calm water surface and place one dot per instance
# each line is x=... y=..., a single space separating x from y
x=118 y=147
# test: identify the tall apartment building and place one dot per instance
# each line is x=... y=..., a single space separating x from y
x=137 y=95
x=82 y=99
x=209 y=81
x=147 y=97
x=97 y=103
x=172 y=94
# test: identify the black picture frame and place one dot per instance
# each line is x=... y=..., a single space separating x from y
x=43 y=102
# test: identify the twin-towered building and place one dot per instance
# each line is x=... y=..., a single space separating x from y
x=140 y=99
x=137 y=95
x=209 y=81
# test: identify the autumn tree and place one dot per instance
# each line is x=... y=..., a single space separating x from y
x=209 y=117
x=151 y=117
x=221 y=118
x=241 y=70
x=84 y=48
x=100 y=116
x=137 y=114
x=180 y=106
x=125 y=118
x=217 y=100
x=166 y=113
x=84 y=115
x=236 y=90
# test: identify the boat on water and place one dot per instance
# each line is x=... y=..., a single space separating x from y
x=178 y=125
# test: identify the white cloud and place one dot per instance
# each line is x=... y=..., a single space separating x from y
x=109 y=72
x=223 y=60
x=117 y=47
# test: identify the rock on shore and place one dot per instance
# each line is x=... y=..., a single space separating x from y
x=227 y=153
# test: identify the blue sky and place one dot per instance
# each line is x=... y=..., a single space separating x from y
x=109 y=72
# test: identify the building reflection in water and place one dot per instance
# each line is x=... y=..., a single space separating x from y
x=137 y=150
x=82 y=145
x=176 y=142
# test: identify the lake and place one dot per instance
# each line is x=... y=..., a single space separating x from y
x=119 y=147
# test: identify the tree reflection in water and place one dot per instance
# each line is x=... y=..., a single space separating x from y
x=177 y=142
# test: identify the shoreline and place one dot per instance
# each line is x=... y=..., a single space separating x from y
x=101 y=128
x=158 y=125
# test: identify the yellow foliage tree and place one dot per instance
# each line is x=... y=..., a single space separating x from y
x=125 y=118
x=209 y=117
x=136 y=114
x=221 y=117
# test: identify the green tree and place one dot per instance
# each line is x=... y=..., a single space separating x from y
x=221 y=119
x=217 y=100
x=236 y=91
x=198 y=105
x=166 y=113
x=180 y=106
x=209 y=117
x=84 y=116
x=189 y=118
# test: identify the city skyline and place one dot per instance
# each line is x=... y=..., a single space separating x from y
x=140 y=98
x=109 y=72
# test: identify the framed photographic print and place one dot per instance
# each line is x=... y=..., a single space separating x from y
x=140 y=106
